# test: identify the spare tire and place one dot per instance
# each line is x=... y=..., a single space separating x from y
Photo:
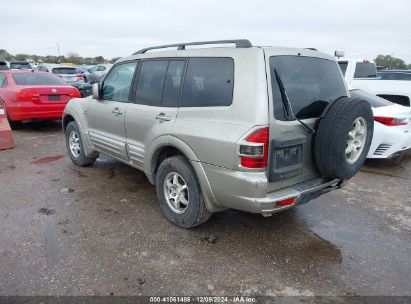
x=343 y=137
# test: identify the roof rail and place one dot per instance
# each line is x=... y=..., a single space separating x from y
x=239 y=43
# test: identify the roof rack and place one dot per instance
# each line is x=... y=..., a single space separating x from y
x=239 y=43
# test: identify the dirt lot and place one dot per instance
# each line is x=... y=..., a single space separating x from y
x=98 y=230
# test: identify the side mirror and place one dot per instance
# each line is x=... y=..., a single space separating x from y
x=96 y=91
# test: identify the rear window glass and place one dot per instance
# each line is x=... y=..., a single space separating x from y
x=373 y=100
x=365 y=70
x=394 y=76
x=20 y=66
x=64 y=71
x=37 y=79
x=343 y=66
x=208 y=82
x=310 y=84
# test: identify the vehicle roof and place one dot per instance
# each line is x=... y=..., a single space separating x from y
x=22 y=72
x=227 y=51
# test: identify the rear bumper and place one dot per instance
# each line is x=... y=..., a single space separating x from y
x=247 y=190
x=19 y=111
x=388 y=141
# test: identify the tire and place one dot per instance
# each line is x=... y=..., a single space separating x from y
x=184 y=215
x=336 y=134
x=79 y=158
x=13 y=124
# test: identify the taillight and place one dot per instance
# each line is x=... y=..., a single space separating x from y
x=254 y=150
x=27 y=95
x=286 y=202
x=391 y=121
x=75 y=94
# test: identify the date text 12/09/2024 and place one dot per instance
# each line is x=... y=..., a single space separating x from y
x=203 y=299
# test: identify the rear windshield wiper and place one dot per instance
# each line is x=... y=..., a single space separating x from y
x=287 y=103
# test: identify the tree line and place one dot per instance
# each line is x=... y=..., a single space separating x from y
x=384 y=61
x=70 y=57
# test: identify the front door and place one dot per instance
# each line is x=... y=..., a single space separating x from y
x=154 y=109
x=106 y=116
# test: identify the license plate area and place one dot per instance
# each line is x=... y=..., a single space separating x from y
x=286 y=157
x=54 y=97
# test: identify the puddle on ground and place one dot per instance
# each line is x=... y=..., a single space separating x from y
x=46 y=160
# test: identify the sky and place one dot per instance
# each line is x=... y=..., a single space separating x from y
x=361 y=28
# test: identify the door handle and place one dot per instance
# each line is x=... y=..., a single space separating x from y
x=162 y=117
x=117 y=111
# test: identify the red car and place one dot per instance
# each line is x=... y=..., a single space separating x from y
x=31 y=95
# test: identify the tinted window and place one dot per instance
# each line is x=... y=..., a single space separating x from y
x=151 y=81
x=395 y=76
x=37 y=79
x=310 y=83
x=208 y=82
x=343 y=66
x=373 y=100
x=64 y=70
x=20 y=65
x=42 y=68
x=118 y=82
x=172 y=85
x=365 y=70
x=101 y=68
x=2 y=79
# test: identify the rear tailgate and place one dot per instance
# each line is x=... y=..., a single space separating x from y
x=309 y=80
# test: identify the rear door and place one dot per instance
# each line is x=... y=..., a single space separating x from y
x=154 y=108
x=106 y=116
x=310 y=82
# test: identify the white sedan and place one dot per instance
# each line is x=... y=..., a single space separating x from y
x=392 y=126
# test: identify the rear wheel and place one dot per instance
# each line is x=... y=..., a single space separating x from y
x=179 y=193
x=74 y=145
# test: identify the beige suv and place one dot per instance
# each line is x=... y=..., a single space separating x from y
x=260 y=129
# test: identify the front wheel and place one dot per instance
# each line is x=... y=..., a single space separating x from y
x=179 y=193
x=74 y=145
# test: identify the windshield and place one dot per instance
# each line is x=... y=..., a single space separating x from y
x=373 y=100
x=37 y=79
x=310 y=84
x=365 y=70
x=64 y=71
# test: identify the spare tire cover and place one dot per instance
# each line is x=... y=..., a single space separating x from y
x=343 y=138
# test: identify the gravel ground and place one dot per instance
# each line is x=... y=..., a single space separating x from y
x=98 y=230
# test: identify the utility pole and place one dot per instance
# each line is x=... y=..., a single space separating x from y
x=58 y=52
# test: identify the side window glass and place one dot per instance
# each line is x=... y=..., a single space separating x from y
x=101 y=68
x=2 y=80
x=172 y=85
x=118 y=83
x=151 y=82
x=209 y=82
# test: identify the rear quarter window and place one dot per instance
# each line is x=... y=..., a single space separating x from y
x=209 y=82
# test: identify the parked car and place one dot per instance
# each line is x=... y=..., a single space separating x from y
x=34 y=95
x=20 y=65
x=4 y=65
x=69 y=75
x=85 y=89
x=96 y=71
x=362 y=74
x=392 y=127
x=394 y=74
x=260 y=129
